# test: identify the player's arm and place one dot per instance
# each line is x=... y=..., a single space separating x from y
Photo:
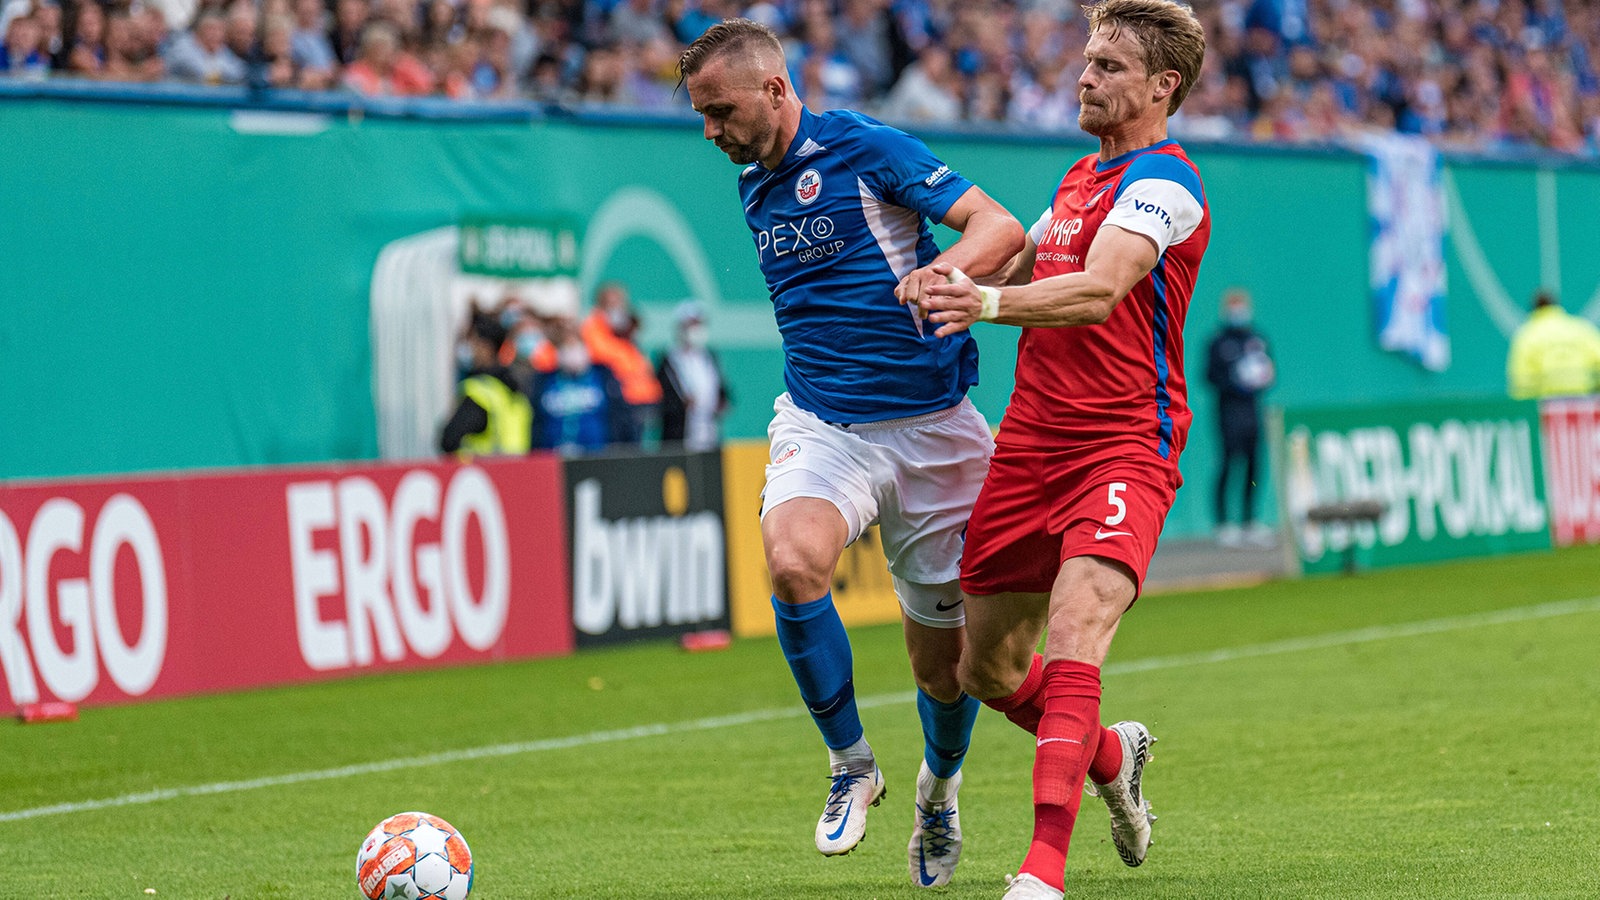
x=1160 y=202
x=1018 y=271
x=991 y=237
x=1116 y=261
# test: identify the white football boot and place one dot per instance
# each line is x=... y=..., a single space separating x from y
x=1125 y=800
x=1027 y=887
x=936 y=833
x=844 y=817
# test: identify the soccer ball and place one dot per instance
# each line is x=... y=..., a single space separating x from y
x=414 y=856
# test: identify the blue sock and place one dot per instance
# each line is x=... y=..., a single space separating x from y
x=946 y=731
x=818 y=650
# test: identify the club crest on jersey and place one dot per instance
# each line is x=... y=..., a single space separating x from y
x=809 y=187
x=789 y=451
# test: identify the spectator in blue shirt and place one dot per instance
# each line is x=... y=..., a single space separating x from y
x=578 y=407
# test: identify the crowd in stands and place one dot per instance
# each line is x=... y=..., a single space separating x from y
x=551 y=381
x=1469 y=74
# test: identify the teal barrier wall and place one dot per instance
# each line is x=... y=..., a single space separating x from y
x=189 y=287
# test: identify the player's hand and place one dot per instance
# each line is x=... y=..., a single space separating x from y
x=952 y=301
x=911 y=288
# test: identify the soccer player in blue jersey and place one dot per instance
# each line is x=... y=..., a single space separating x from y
x=875 y=426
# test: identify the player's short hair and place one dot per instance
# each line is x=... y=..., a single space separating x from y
x=729 y=36
x=1169 y=33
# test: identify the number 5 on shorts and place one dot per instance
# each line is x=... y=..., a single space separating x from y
x=1117 y=503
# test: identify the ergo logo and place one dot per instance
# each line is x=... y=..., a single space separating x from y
x=85 y=608
x=376 y=557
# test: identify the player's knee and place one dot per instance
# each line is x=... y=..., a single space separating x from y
x=938 y=679
x=986 y=677
x=798 y=577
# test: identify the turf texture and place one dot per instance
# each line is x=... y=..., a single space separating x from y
x=1427 y=733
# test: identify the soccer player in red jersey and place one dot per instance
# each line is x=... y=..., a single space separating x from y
x=1086 y=461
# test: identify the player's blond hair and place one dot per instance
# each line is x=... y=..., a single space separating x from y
x=1170 y=35
x=729 y=36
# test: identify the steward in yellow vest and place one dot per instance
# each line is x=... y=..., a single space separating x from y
x=1553 y=353
x=492 y=416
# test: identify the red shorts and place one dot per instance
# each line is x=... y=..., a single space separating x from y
x=1040 y=508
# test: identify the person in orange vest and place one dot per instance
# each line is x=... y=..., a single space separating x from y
x=608 y=332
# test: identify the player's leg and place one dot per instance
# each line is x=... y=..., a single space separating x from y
x=1115 y=520
x=1001 y=666
x=1115 y=755
x=803 y=539
x=1009 y=562
x=1089 y=598
x=937 y=464
x=932 y=621
x=817 y=500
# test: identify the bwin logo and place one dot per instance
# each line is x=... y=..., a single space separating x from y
x=643 y=572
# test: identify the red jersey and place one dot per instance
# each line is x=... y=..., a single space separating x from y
x=1121 y=379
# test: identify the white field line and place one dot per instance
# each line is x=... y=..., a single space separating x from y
x=1249 y=651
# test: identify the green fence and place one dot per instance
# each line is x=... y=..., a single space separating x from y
x=190 y=287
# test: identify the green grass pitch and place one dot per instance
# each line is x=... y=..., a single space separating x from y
x=1425 y=733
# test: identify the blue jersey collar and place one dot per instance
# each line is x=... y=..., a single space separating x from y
x=808 y=125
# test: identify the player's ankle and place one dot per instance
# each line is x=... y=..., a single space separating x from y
x=856 y=756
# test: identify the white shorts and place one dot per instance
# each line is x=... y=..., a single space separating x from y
x=915 y=478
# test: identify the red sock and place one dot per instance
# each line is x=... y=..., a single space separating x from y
x=1107 y=762
x=1069 y=732
x=1026 y=704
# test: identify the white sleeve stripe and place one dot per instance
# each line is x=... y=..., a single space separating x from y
x=1038 y=229
x=895 y=228
x=1162 y=210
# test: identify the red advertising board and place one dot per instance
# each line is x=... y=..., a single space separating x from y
x=114 y=590
x=1571 y=441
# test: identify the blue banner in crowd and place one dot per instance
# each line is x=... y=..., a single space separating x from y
x=1405 y=204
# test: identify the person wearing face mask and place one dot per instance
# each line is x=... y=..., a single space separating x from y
x=1240 y=368
x=492 y=416
x=693 y=393
x=578 y=405
x=609 y=332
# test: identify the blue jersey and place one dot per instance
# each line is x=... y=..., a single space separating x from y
x=836 y=225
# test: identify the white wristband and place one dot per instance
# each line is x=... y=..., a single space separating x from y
x=989 y=297
x=990 y=310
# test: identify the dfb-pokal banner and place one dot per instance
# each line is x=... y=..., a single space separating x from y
x=649 y=557
x=1453 y=479
x=120 y=589
x=1572 y=468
